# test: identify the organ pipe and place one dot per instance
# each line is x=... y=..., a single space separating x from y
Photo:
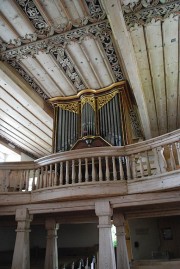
x=93 y=113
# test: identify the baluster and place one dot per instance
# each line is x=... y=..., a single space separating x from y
x=33 y=181
x=128 y=168
x=114 y=168
x=177 y=146
x=55 y=175
x=61 y=174
x=86 y=170
x=161 y=159
x=41 y=178
x=86 y=266
x=67 y=172
x=93 y=263
x=21 y=180
x=73 y=172
x=172 y=159
x=72 y=267
x=38 y=178
x=46 y=177
x=134 y=172
x=27 y=180
x=141 y=165
x=93 y=170
x=156 y=161
x=100 y=170
x=50 y=176
x=148 y=164
x=107 y=169
x=80 y=172
x=121 y=170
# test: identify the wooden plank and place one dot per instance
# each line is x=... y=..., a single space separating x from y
x=25 y=122
x=123 y=202
x=13 y=83
x=79 y=191
x=166 y=181
x=170 y=35
x=139 y=44
x=57 y=74
x=25 y=131
x=154 y=41
x=126 y=54
x=22 y=110
x=40 y=76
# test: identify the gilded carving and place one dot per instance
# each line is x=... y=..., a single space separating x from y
x=88 y=99
x=72 y=107
x=104 y=99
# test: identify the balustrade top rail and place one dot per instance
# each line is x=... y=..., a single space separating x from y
x=112 y=151
x=137 y=161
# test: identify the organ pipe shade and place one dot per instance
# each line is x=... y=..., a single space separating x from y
x=107 y=113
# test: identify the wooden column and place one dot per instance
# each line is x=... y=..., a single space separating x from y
x=106 y=249
x=21 y=256
x=51 y=259
x=122 y=255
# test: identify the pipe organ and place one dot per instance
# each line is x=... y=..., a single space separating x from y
x=95 y=118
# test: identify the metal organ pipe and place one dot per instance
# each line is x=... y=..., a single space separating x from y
x=62 y=128
x=118 y=119
x=59 y=133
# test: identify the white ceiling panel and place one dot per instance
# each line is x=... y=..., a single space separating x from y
x=54 y=9
x=170 y=36
x=17 y=133
x=83 y=62
x=97 y=61
x=156 y=58
x=24 y=121
x=15 y=17
x=42 y=78
x=25 y=131
x=17 y=106
x=56 y=74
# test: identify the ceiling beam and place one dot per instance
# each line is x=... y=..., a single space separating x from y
x=127 y=56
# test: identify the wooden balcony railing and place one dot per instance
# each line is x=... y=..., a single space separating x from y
x=142 y=160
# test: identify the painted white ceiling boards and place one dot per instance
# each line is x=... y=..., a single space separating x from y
x=58 y=47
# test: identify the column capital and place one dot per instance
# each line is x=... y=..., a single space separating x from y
x=118 y=219
x=23 y=218
x=102 y=208
x=51 y=224
x=23 y=215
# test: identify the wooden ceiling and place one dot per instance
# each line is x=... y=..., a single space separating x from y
x=58 y=47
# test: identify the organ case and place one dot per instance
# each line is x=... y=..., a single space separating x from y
x=95 y=118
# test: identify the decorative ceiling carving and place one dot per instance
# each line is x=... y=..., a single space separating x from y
x=56 y=45
x=45 y=26
x=144 y=11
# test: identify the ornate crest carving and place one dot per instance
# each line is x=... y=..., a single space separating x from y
x=143 y=11
x=88 y=99
x=104 y=99
x=72 y=107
